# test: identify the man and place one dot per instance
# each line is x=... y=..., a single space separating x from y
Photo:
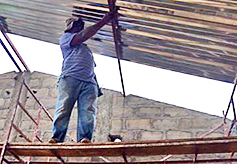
x=77 y=81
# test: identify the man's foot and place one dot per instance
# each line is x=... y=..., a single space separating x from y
x=85 y=140
x=52 y=140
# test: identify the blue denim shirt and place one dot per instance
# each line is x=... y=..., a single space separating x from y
x=78 y=61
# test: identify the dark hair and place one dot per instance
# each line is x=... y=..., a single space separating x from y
x=79 y=23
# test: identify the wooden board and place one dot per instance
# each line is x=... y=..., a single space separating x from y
x=139 y=148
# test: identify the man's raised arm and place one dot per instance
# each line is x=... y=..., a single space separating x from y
x=85 y=34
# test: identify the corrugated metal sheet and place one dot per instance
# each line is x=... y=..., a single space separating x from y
x=197 y=37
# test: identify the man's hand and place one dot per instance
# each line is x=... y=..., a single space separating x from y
x=110 y=15
x=85 y=34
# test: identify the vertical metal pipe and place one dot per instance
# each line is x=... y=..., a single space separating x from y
x=233 y=106
x=230 y=101
x=117 y=45
x=11 y=125
x=3 y=45
x=15 y=50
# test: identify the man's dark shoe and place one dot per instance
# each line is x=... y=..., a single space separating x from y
x=52 y=140
x=85 y=140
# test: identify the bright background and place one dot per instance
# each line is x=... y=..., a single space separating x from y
x=196 y=93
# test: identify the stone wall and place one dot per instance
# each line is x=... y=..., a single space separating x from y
x=8 y=83
x=132 y=117
x=137 y=118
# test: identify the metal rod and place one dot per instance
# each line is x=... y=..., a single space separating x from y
x=9 y=54
x=41 y=105
x=233 y=106
x=196 y=153
x=15 y=50
x=230 y=100
x=3 y=151
x=232 y=125
x=118 y=47
x=212 y=130
x=19 y=131
x=27 y=113
x=39 y=139
x=58 y=156
x=6 y=160
x=166 y=157
x=38 y=122
x=17 y=157
x=125 y=158
x=36 y=131
x=202 y=136
x=11 y=124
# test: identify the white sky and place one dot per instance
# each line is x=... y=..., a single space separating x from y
x=200 y=94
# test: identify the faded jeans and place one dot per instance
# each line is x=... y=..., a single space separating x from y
x=71 y=90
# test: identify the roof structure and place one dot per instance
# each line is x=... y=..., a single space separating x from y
x=188 y=36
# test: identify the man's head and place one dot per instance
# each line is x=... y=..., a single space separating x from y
x=74 y=25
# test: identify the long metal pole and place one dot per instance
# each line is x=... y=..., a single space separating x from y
x=9 y=54
x=117 y=44
x=231 y=98
x=15 y=50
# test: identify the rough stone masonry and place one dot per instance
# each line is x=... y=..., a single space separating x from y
x=132 y=117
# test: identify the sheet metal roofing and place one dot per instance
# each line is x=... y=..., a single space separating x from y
x=197 y=37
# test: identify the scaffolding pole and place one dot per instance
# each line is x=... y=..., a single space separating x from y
x=9 y=54
x=15 y=50
x=117 y=39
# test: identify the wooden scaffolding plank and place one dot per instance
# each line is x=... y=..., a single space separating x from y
x=147 y=162
x=142 y=148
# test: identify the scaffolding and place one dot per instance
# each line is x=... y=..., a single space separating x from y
x=34 y=147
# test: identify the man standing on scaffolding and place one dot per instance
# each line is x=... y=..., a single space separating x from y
x=77 y=80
